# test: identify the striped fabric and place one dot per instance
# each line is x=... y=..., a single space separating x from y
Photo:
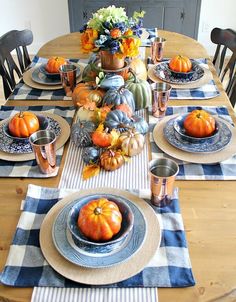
x=225 y=170
x=206 y=91
x=30 y=168
x=49 y=294
x=133 y=174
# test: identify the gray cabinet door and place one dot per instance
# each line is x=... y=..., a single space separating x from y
x=180 y=16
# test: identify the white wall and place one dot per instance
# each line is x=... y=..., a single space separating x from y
x=215 y=13
x=49 y=19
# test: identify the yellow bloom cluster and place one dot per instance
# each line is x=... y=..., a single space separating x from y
x=88 y=38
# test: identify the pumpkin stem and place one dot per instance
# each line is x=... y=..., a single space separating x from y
x=121 y=89
x=21 y=114
x=97 y=211
x=134 y=75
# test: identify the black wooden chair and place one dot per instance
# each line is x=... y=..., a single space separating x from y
x=226 y=42
x=10 y=68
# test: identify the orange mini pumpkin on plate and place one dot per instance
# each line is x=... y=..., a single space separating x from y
x=54 y=64
x=199 y=123
x=180 y=63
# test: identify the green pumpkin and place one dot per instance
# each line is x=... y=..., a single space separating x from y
x=118 y=120
x=119 y=96
x=90 y=155
x=141 y=91
x=81 y=133
x=139 y=124
x=92 y=70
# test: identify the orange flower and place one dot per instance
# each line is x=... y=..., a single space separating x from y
x=88 y=38
x=130 y=47
x=115 y=33
x=128 y=32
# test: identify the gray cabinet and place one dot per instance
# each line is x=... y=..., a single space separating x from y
x=180 y=16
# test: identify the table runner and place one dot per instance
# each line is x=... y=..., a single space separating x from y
x=225 y=170
x=26 y=266
x=206 y=91
x=29 y=168
x=132 y=175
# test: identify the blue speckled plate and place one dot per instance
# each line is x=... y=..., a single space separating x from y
x=163 y=72
x=65 y=246
x=224 y=139
x=14 y=146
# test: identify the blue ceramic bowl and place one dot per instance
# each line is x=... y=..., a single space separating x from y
x=50 y=75
x=43 y=125
x=185 y=75
x=116 y=242
x=181 y=134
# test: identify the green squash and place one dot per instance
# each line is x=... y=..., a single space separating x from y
x=81 y=133
x=119 y=96
x=92 y=70
x=141 y=91
x=118 y=120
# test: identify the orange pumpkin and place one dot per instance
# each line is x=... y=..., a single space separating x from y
x=180 y=64
x=199 y=123
x=54 y=64
x=111 y=160
x=100 y=219
x=23 y=124
x=87 y=93
x=101 y=137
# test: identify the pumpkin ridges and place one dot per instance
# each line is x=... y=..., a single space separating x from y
x=23 y=124
x=180 y=63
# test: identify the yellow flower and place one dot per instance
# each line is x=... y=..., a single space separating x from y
x=130 y=47
x=128 y=32
x=88 y=38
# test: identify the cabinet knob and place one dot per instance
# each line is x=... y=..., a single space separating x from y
x=85 y=15
x=182 y=15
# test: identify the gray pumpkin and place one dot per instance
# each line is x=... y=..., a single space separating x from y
x=112 y=81
x=139 y=124
x=119 y=96
x=117 y=119
x=81 y=133
x=90 y=155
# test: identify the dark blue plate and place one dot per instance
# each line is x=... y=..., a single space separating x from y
x=50 y=75
x=223 y=140
x=65 y=245
x=163 y=72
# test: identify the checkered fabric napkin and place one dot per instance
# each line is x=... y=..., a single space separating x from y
x=206 y=91
x=26 y=266
x=225 y=170
x=25 y=92
x=152 y=34
x=30 y=168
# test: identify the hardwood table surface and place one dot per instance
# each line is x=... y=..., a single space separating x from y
x=208 y=207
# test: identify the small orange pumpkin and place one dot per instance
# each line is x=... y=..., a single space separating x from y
x=180 y=64
x=23 y=124
x=100 y=219
x=54 y=64
x=199 y=123
x=87 y=93
x=111 y=160
x=101 y=137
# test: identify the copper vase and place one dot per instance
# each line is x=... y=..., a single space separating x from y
x=110 y=61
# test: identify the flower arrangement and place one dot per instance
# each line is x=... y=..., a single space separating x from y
x=112 y=30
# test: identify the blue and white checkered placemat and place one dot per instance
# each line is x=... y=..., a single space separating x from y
x=25 y=92
x=26 y=266
x=29 y=168
x=206 y=91
x=225 y=170
x=152 y=35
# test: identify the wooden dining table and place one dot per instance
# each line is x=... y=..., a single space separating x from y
x=208 y=207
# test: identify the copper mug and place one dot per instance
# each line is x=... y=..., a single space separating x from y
x=162 y=173
x=43 y=143
x=68 y=78
x=160 y=97
x=157 y=49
